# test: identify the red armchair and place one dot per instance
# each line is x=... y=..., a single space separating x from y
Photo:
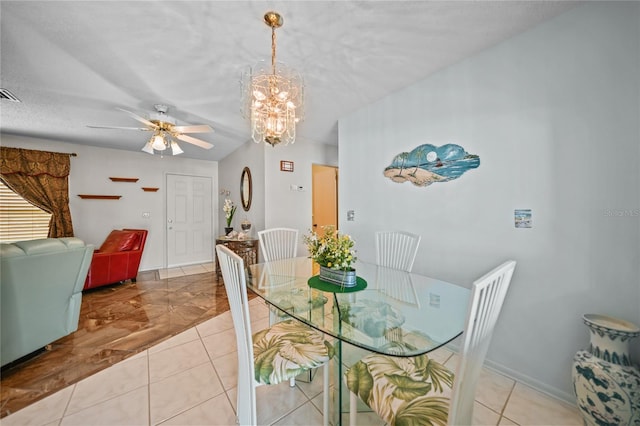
x=117 y=259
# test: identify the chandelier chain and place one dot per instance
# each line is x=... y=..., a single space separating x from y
x=273 y=49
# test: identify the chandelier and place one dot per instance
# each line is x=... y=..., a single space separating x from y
x=272 y=95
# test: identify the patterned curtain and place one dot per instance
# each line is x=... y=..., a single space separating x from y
x=41 y=178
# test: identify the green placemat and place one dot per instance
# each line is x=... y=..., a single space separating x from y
x=318 y=284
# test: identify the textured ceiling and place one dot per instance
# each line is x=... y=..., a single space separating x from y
x=72 y=63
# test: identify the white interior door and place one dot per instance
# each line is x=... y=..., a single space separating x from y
x=189 y=220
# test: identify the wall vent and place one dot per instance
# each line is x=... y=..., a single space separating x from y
x=6 y=94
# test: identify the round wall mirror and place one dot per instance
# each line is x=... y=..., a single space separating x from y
x=246 y=189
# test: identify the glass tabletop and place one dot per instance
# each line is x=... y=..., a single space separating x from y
x=392 y=312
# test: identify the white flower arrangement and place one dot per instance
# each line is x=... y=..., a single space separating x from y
x=229 y=210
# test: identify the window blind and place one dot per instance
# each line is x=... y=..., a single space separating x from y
x=19 y=219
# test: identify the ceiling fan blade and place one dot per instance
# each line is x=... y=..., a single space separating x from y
x=140 y=119
x=121 y=128
x=197 y=142
x=198 y=128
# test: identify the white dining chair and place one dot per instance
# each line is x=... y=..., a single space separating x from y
x=282 y=340
x=417 y=388
x=396 y=249
x=281 y=244
x=278 y=243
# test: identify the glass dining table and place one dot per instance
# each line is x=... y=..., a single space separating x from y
x=388 y=311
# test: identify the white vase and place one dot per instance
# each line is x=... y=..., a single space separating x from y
x=606 y=384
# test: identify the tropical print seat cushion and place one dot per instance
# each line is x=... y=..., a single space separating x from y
x=403 y=391
x=287 y=349
x=372 y=317
x=297 y=303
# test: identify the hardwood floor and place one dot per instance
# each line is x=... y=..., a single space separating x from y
x=116 y=322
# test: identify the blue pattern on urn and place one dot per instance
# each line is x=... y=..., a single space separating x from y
x=606 y=384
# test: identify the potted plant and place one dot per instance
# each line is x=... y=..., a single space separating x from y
x=229 y=210
x=335 y=254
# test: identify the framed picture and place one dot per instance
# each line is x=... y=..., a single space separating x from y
x=522 y=218
x=286 y=166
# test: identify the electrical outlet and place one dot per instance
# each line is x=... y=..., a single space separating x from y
x=146 y=215
x=351 y=215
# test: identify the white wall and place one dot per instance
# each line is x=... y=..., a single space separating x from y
x=284 y=207
x=230 y=170
x=553 y=115
x=274 y=204
x=90 y=172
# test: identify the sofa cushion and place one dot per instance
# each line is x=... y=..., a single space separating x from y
x=72 y=242
x=39 y=246
x=119 y=241
x=10 y=250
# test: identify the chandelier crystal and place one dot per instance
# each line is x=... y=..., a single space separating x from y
x=273 y=95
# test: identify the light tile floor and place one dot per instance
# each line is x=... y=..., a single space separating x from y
x=190 y=379
x=186 y=270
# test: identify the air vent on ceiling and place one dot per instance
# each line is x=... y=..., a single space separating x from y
x=6 y=94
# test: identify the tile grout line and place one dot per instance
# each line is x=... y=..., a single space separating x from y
x=288 y=413
x=66 y=407
x=215 y=370
x=224 y=390
x=506 y=402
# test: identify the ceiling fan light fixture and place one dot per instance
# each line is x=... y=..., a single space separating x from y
x=148 y=148
x=273 y=96
x=158 y=141
x=175 y=148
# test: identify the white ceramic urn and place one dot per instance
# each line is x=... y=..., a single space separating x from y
x=606 y=383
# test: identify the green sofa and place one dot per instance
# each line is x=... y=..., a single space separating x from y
x=40 y=293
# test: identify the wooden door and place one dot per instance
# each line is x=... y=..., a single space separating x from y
x=324 y=189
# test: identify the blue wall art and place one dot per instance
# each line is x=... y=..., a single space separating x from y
x=427 y=164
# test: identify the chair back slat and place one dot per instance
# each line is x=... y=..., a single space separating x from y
x=487 y=296
x=397 y=249
x=233 y=274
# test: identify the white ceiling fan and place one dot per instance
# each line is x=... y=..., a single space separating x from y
x=165 y=131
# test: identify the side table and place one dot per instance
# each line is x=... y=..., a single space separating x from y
x=247 y=249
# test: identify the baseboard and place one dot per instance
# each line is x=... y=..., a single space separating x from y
x=551 y=391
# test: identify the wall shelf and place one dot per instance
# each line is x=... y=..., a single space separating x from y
x=99 y=197
x=149 y=189
x=123 y=179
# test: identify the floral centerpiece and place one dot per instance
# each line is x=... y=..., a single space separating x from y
x=335 y=254
x=229 y=210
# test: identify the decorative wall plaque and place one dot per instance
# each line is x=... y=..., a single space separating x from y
x=427 y=164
